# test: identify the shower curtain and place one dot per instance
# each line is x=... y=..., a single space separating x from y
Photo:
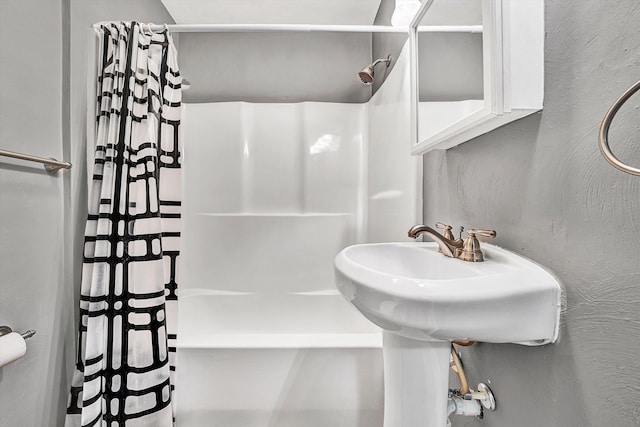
x=128 y=304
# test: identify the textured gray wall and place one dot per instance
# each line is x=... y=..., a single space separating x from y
x=33 y=294
x=275 y=67
x=543 y=185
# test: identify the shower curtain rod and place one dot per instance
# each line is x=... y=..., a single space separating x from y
x=247 y=28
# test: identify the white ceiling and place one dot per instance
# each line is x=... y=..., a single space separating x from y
x=337 y=12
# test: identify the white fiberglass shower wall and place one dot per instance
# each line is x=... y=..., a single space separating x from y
x=272 y=192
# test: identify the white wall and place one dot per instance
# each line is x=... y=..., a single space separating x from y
x=262 y=181
x=33 y=294
x=394 y=176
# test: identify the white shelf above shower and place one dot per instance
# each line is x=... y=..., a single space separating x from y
x=337 y=12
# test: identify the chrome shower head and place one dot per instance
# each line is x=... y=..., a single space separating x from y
x=367 y=73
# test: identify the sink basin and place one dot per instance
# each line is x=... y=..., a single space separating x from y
x=414 y=291
x=423 y=300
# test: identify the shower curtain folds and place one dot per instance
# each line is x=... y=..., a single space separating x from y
x=128 y=304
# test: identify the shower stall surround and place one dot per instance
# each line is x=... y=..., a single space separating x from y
x=271 y=193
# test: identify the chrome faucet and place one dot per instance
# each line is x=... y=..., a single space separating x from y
x=448 y=245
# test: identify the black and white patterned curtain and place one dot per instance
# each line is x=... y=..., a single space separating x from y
x=128 y=304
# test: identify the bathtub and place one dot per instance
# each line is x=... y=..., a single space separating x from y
x=244 y=320
x=291 y=360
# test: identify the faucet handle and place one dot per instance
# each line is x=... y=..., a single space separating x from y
x=471 y=248
x=447 y=230
x=485 y=233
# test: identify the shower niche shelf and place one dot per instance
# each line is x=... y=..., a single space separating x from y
x=505 y=63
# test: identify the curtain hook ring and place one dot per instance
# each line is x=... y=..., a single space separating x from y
x=151 y=32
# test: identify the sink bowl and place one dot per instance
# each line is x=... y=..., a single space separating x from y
x=423 y=300
x=413 y=290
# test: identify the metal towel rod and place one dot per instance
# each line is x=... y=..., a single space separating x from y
x=604 y=132
x=50 y=165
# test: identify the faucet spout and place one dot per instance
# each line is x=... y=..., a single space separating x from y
x=448 y=247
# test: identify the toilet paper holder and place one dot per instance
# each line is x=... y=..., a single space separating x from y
x=4 y=330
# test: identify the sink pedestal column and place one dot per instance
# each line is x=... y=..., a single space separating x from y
x=416 y=382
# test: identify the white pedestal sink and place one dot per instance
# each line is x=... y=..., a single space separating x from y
x=424 y=300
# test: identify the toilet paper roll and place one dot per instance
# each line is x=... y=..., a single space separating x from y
x=12 y=347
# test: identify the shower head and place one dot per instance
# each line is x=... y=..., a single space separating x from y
x=367 y=73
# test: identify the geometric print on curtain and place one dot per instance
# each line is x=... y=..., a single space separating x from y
x=125 y=366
